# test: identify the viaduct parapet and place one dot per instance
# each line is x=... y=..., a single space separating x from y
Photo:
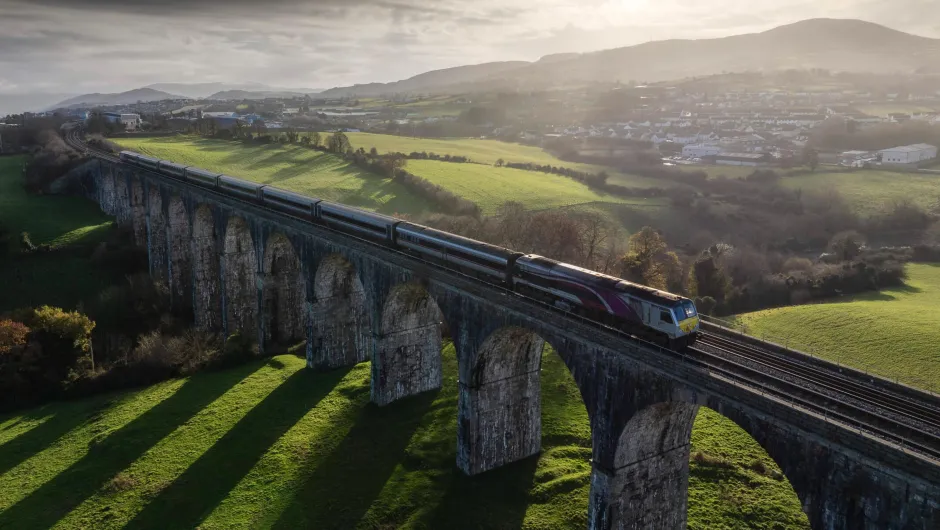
x=246 y=269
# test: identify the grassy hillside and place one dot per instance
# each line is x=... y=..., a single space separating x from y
x=489 y=151
x=490 y=186
x=871 y=191
x=294 y=168
x=893 y=333
x=273 y=445
x=44 y=278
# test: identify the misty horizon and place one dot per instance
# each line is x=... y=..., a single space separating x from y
x=106 y=46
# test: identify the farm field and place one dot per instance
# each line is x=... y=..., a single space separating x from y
x=323 y=175
x=490 y=186
x=272 y=445
x=44 y=278
x=893 y=333
x=871 y=191
x=489 y=151
x=294 y=168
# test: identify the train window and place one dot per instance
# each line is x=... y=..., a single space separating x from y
x=685 y=310
x=666 y=316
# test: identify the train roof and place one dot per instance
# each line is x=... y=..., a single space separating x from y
x=648 y=293
x=457 y=239
x=609 y=282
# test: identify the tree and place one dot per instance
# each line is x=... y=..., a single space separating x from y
x=708 y=278
x=810 y=157
x=847 y=245
x=647 y=261
x=339 y=143
x=315 y=139
x=500 y=162
x=374 y=153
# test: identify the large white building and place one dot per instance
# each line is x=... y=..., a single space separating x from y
x=129 y=121
x=908 y=154
x=700 y=150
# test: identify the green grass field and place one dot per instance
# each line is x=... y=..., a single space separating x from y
x=46 y=278
x=294 y=168
x=273 y=445
x=872 y=191
x=323 y=175
x=893 y=333
x=490 y=186
x=489 y=151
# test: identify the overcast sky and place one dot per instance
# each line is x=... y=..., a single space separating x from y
x=78 y=46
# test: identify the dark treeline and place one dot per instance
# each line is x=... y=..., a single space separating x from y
x=51 y=158
x=127 y=335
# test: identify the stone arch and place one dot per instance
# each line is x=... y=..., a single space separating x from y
x=408 y=352
x=156 y=234
x=207 y=289
x=179 y=247
x=138 y=212
x=284 y=293
x=340 y=333
x=241 y=268
x=500 y=403
x=648 y=486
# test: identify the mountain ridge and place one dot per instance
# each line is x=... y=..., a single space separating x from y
x=832 y=44
x=119 y=98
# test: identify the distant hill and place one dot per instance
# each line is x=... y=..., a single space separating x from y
x=123 y=98
x=831 y=44
x=432 y=81
x=204 y=90
x=246 y=94
x=17 y=103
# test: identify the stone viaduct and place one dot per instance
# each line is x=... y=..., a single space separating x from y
x=245 y=268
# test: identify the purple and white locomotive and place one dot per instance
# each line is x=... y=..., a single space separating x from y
x=657 y=316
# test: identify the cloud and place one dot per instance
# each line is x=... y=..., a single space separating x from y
x=113 y=45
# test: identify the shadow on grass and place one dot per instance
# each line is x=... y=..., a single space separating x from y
x=344 y=485
x=63 y=493
x=37 y=439
x=496 y=500
x=195 y=493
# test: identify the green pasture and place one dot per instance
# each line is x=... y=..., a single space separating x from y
x=291 y=167
x=490 y=186
x=872 y=191
x=57 y=277
x=271 y=444
x=893 y=333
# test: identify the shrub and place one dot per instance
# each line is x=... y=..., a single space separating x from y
x=239 y=347
x=795 y=264
x=12 y=335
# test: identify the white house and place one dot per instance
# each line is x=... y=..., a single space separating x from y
x=700 y=150
x=908 y=154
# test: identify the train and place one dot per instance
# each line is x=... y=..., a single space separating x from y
x=653 y=315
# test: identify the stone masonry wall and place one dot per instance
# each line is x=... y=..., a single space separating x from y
x=340 y=327
x=241 y=293
x=408 y=356
x=207 y=289
x=180 y=248
x=284 y=293
x=500 y=406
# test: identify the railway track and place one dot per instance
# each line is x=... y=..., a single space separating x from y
x=836 y=408
x=851 y=403
x=831 y=381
